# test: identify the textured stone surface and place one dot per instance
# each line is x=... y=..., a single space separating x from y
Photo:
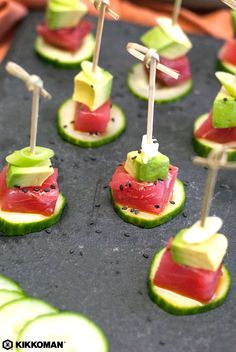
x=93 y=262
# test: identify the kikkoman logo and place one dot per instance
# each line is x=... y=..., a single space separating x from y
x=8 y=344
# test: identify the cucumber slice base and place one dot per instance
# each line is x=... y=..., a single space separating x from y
x=66 y=129
x=16 y=224
x=9 y=285
x=148 y=220
x=202 y=146
x=225 y=66
x=79 y=333
x=138 y=85
x=62 y=58
x=176 y=304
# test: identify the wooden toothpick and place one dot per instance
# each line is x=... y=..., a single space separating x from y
x=34 y=84
x=230 y=3
x=102 y=6
x=152 y=61
x=176 y=11
x=216 y=160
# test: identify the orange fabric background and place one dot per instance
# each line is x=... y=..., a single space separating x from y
x=12 y=11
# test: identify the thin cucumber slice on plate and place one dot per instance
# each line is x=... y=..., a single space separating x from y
x=15 y=315
x=9 y=296
x=226 y=66
x=77 y=333
x=63 y=58
x=66 y=129
x=138 y=85
x=177 y=304
x=148 y=220
x=9 y=285
x=13 y=224
x=202 y=146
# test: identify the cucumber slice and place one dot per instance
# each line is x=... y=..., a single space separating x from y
x=202 y=146
x=177 y=304
x=77 y=332
x=9 y=296
x=66 y=129
x=9 y=285
x=63 y=58
x=148 y=220
x=226 y=66
x=15 y=315
x=14 y=224
x=138 y=85
x=24 y=158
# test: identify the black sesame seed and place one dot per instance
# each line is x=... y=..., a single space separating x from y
x=157 y=206
x=25 y=190
x=97 y=205
x=48 y=230
x=155 y=142
x=16 y=186
x=117 y=272
x=140 y=293
x=121 y=187
x=140 y=151
x=225 y=99
x=134 y=157
x=126 y=235
x=160 y=179
x=124 y=208
x=81 y=254
x=51 y=166
x=186 y=183
x=172 y=202
x=65 y=126
x=71 y=251
x=92 y=158
x=145 y=255
x=113 y=120
x=91 y=223
x=185 y=215
x=136 y=211
x=36 y=189
x=91 y=86
x=161 y=343
x=98 y=231
x=105 y=187
x=46 y=190
x=132 y=210
x=53 y=187
x=72 y=121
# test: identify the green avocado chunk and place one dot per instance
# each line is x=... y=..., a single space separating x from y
x=207 y=255
x=24 y=158
x=166 y=46
x=224 y=110
x=92 y=89
x=28 y=176
x=147 y=170
x=64 y=13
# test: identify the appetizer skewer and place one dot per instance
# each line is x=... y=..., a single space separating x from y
x=89 y=119
x=29 y=194
x=188 y=276
x=226 y=55
x=172 y=44
x=219 y=126
x=145 y=190
x=65 y=38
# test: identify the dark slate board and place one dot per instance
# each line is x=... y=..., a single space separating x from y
x=86 y=263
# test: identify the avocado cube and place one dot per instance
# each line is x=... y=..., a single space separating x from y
x=147 y=170
x=64 y=13
x=28 y=176
x=90 y=92
x=166 y=46
x=224 y=110
x=207 y=255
